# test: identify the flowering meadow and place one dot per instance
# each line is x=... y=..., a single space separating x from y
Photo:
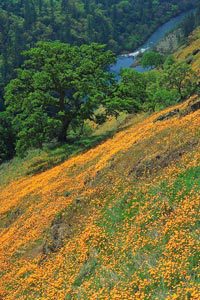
x=119 y=221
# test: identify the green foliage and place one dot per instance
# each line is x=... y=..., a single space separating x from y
x=159 y=97
x=174 y=83
x=152 y=59
x=6 y=138
x=155 y=89
x=35 y=129
x=180 y=77
x=124 y=24
x=58 y=86
x=191 y=22
x=169 y=61
x=131 y=90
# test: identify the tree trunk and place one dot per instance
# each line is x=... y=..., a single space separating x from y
x=62 y=137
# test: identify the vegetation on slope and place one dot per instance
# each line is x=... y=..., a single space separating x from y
x=59 y=86
x=54 y=92
x=39 y=160
x=119 y=221
x=191 y=51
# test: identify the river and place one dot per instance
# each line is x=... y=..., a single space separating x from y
x=126 y=61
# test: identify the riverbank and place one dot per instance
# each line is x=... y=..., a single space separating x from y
x=127 y=61
x=165 y=21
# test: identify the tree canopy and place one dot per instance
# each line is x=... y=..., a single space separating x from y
x=57 y=86
x=131 y=91
x=181 y=77
x=6 y=138
x=152 y=59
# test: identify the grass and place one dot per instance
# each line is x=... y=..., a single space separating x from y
x=186 y=51
x=127 y=236
x=116 y=213
x=40 y=160
x=86 y=271
x=120 y=214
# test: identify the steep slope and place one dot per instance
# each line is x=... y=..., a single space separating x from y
x=119 y=221
x=191 y=51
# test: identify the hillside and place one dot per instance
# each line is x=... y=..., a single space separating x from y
x=111 y=211
x=191 y=51
x=119 y=221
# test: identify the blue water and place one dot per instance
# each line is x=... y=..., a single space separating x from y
x=127 y=62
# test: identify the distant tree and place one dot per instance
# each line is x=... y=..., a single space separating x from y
x=197 y=15
x=58 y=85
x=152 y=59
x=181 y=77
x=169 y=61
x=158 y=97
x=175 y=82
x=130 y=93
x=188 y=24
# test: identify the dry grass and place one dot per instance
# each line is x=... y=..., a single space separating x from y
x=186 y=51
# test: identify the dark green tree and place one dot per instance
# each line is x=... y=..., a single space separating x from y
x=130 y=93
x=6 y=138
x=181 y=77
x=152 y=59
x=188 y=24
x=57 y=85
x=175 y=82
x=159 y=97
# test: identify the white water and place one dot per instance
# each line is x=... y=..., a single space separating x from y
x=127 y=60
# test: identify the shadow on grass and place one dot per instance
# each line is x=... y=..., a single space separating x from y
x=56 y=154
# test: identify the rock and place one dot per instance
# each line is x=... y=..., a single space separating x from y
x=79 y=201
x=144 y=168
x=192 y=107
x=195 y=106
x=168 y=115
x=196 y=51
x=189 y=60
x=10 y=217
x=59 y=232
x=64 y=225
